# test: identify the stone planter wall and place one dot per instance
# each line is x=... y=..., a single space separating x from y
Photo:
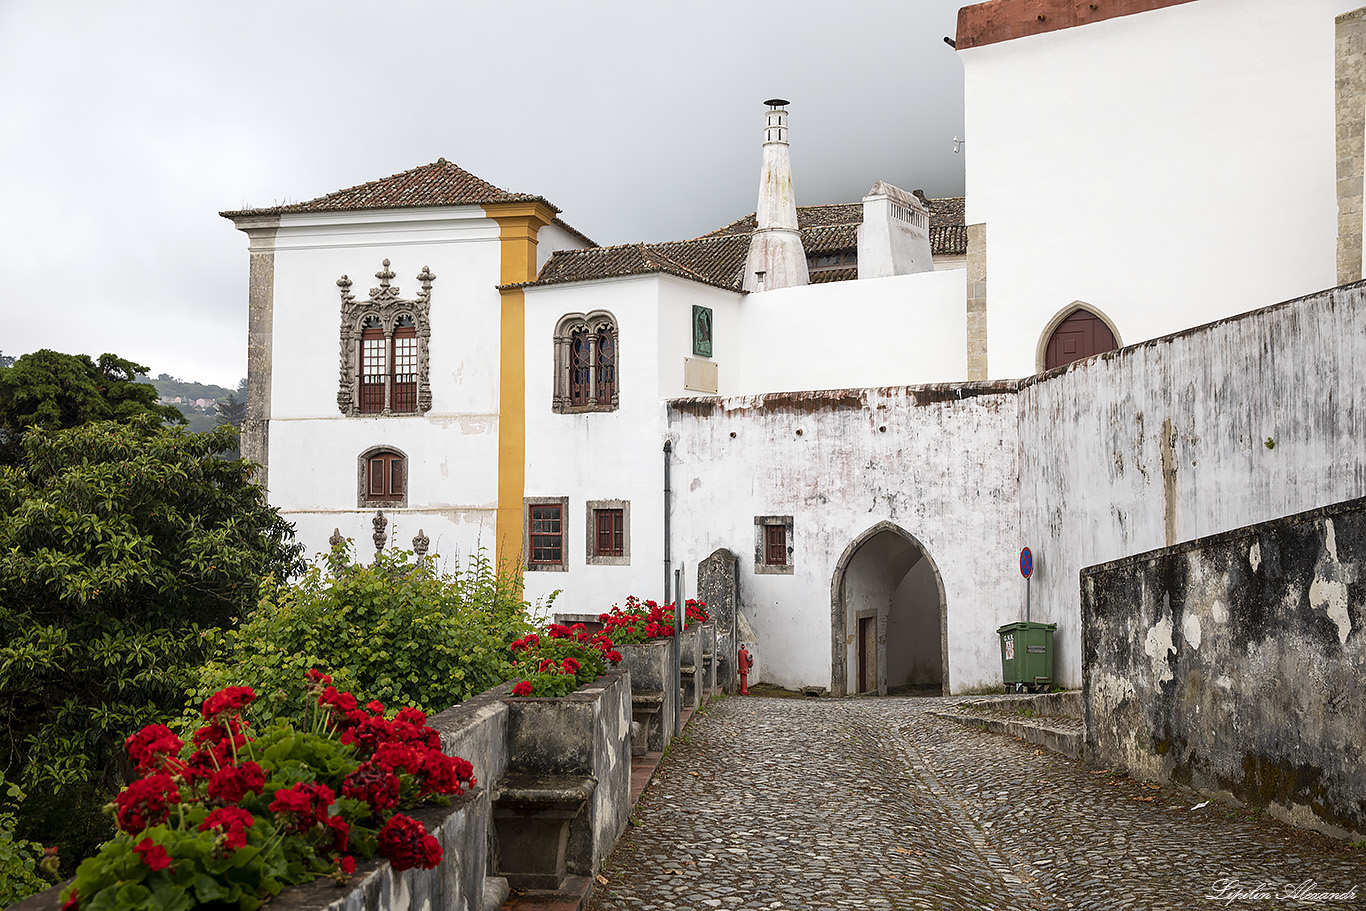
x=655 y=701
x=690 y=675
x=585 y=735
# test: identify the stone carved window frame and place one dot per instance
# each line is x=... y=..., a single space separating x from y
x=385 y=305
x=761 y=564
x=563 y=504
x=592 y=323
x=363 y=499
x=590 y=532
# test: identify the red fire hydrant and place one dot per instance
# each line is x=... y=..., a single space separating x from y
x=746 y=664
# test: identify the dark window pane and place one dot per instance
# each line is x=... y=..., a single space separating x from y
x=547 y=540
x=611 y=539
x=775 y=545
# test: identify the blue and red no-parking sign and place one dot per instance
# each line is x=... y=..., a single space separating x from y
x=1026 y=563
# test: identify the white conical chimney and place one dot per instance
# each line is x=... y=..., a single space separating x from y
x=776 y=256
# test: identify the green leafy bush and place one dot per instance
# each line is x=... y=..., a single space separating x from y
x=19 y=858
x=395 y=630
x=121 y=546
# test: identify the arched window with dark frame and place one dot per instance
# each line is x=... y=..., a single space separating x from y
x=405 y=365
x=605 y=385
x=587 y=363
x=383 y=478
x=374 y=365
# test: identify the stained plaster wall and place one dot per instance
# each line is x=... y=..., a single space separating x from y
x=1089 y=176
x=943 y=471
x=1167 y=441
x=452 y=449
x=1233 y=664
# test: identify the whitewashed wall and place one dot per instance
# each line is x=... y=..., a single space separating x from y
x=874 y=332
x=944 y=471
x=598 y=455
x=1243 y=421
x=1169 y=167
x=452 y=449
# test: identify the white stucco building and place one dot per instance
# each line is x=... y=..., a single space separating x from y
x=846 y=392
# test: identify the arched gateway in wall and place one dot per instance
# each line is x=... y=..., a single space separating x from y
x=888 y=616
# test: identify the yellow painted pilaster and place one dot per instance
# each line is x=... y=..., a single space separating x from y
x=518 y=224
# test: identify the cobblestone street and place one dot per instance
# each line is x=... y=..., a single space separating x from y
x=798 y=804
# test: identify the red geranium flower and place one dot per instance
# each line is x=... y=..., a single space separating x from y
x=341 y=831
x=228 y=699
x=410 y=715
x=522 y=689
x=231 y=783
x=150 y=747
x=146 y=802
x=347 y=864
x=303 y=805
x=71 y=901
x=377 y=786
x=570 y=666
x=406 y=843
x=153 y=855
x=232 y=822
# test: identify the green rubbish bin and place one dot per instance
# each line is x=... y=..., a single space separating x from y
x=1027 y=656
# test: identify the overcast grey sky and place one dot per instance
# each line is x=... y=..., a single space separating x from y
x=128 y=126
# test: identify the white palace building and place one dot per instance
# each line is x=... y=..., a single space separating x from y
x=873 y=406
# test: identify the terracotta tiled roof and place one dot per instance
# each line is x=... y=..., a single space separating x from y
x=711 y=260
x=718 y=258
x=834 y=275
x=949 y=240
x=441 y=183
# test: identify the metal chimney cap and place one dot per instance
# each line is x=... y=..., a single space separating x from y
x=777 y=102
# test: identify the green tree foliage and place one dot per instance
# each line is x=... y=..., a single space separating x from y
x=119 y=545
x=396 y=631
x=53 y=390
x=18 y=858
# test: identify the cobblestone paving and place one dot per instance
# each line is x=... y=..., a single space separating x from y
x=875 y=803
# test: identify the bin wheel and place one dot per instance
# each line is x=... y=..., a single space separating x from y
x=1019 y=687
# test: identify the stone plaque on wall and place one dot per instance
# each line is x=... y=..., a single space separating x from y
x=701 y=331
x=699 y=375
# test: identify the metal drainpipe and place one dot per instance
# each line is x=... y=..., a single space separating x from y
x=668 y=568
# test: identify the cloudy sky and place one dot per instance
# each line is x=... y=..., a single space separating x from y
x=128 y=126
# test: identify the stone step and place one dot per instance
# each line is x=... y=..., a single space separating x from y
x=1067 y=703
x=1060 y=734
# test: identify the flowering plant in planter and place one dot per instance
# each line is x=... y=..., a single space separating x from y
x=231 y=818
x=561 y=661
x=640 y=621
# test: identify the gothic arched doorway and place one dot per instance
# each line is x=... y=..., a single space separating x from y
x=1075 y=333
x=888 y=616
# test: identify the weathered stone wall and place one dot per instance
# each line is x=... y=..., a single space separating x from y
x=1240 y=421
x=1233 y=664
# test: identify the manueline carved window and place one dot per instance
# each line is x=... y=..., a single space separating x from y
x=384 y=361
x=586 y=363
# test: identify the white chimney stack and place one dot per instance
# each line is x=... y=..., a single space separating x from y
x=776 y=256
x=894 y=238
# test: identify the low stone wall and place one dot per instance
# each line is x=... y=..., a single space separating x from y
x=1234 y=663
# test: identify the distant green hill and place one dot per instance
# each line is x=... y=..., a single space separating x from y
x=197 y=401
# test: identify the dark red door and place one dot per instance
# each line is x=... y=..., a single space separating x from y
x=1081 y=335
